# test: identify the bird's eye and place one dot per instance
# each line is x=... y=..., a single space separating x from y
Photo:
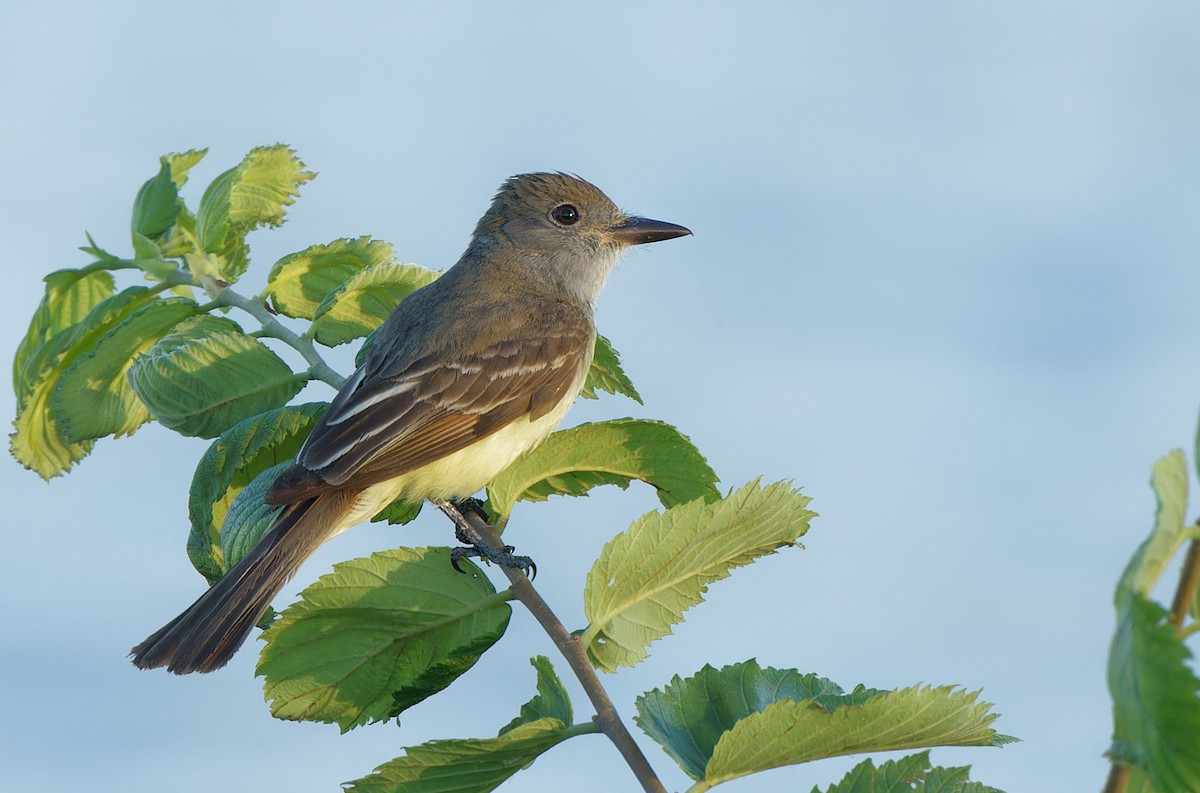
x=565 y=214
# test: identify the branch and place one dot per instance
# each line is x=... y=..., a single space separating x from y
x=606 y=715
x=1189 y=578
x=1118 y=777
x=224 y=295
x=274 y=329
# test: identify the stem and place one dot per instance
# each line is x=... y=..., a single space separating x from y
x=103 y=264
x=606 y=717
x=273 y=328
x=1189 y=578
x=583 y=728
x=223 y=295
x=1118 y=777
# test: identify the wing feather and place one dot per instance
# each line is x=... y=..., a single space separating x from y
x=391 y=419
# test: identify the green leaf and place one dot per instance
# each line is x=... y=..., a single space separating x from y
x=571 y=462
x=1136 y=781
x=157 y=203
x=894 y=776
x=200 y=382
x=480 y=765
x=647 y=576
x=1156 y=713
x=1169 y=480
x=551 y=702
x=148 y=257
x=398 y=513
x=38 y=442
x=906 y=775
x=238 y=457
x=606 y=374
x=69 y=296
x=92 y=397
x=688 y=717
x=364 y=301
x=365 y=348
x=300 y=281
x=789 y=732
x=954 y=780
x=249 y=516
x=464 y=766
x=255 y=193
x=379 y=635
x=103 y=257
x=179 y=239
x=730 y=722
x=162 y=225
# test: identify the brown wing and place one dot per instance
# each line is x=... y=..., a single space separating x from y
x=393 y=416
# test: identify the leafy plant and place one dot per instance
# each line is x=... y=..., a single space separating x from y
x=377 y=635
x=1156 y=696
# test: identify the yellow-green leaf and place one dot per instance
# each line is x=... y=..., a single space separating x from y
x=69 y=296
x=364 y=301
x=254 y=193
x=38 y=442
x=181 y=164
x=573 y=461
x=92 y=397
x=689 y=715
x=789 y=732
x=1169 y=480
x=648 y=575
x=299 y=281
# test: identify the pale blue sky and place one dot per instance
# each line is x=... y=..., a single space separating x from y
x=944 y=276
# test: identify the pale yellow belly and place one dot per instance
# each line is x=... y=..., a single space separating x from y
x=464 y=472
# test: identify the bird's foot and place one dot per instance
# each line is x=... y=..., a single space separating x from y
x=465 y=505
x=477 y=547
x=504 y=557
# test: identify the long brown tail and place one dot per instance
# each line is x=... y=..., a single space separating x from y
x=210 y=631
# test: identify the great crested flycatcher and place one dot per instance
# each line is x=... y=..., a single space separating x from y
x=465 y=375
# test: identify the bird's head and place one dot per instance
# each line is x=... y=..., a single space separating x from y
x=565 y=229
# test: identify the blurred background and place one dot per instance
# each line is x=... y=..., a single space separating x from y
x=943 y=277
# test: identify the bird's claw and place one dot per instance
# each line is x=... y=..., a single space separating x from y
x=504 y=557
x=465 y=505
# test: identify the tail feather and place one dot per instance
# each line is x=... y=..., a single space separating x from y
x=210 y=631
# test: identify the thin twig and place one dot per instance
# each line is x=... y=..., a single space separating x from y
x=1118 y=777
x=225 y=295
x=606 y=715
x=274 y=329
x=1189 y=579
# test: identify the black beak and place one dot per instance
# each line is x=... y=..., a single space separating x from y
x=636 y=231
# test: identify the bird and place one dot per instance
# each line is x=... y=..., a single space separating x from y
x=464 y=376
